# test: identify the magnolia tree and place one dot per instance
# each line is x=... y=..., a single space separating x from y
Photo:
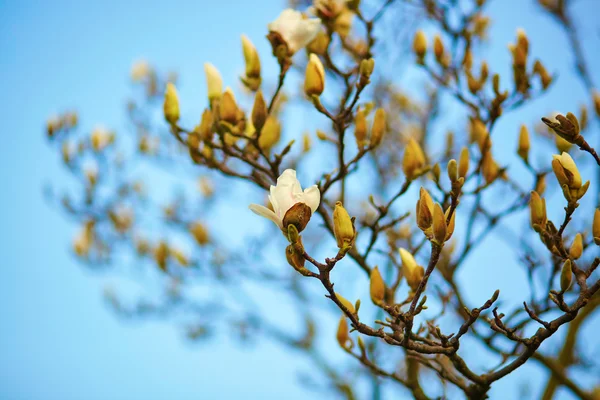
x=396 y=205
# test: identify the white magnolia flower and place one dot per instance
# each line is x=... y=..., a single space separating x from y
x=283 y=196
x=296 y=30
x=140 y=70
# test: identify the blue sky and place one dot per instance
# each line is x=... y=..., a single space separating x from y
x=58 y=339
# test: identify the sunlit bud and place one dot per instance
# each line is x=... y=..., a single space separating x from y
x=438 y=48
x=450 y=224
x=414 y=159
x=420 y=46
x=259 y=111
x=477 y=131
x=214 y=82
x=314 y=81
x=91 y=174
x=522 y=41
x=439 y=224
x=562 y=145
x=378 y=128
x=270 y=134
x=180 y=257
x=436 y=170
x=161 y=254
x=489 y=168
x=139 y=70
x=100 y=138
x=467 y=61
x=343 y=23
x=452 y=170
x=346 y=303
x=200 y=233
x=463 y=163
x=377 y=286
x=343 y=227
x=583 y=118
x=537 y=208
x=596 y=227
x=67 y=151
x=412 y=272
x=321 y=135
x=523 y=149
x=171 y=104
x=360 y=129
x=566 y=276
x=365 y=70
x=596 y=98
x=205 y=129
x=228 y=110
x=306 y=143
x=251 y=58
x=424 y=210
x=473 y=84
x=540 y=70
x=319 y=44
x=295 y=259
x=566 y=171
x=540 y=186
x=342 y=336
x=576 y=247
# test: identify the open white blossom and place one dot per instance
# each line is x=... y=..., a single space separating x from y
x=283 y=196
x=295 y=29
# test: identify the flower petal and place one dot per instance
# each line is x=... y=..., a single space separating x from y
x=312 y=197
x=265 y=212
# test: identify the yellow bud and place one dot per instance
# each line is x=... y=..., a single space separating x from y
x=214 y=82
x=420 y=45
x=410 y=269
x=342 y=336
x=523 y=149
x=171 y=104
x=321 y=135
x=180 y=257
x=562 y=145
x=463 y=163
x=596 y=227
x=342 y=226
x=360 y=129
x=414 y=159
x=438 y=48
x=161 y=254
x=424 y=210
x=200 y=233
x=566 y=276
x=377 y=287
x=540 y=70
x=314 y=81
x=365 y=70
x=229 y=109
x=452 y=170
x=319 y=44
x=576 y=247
x=346 y=303
x=259 y=111
x=205 y=128
x=478 y=133
x=439 y=224
x=489 y=168
x=306 y=143
x=270 y=134
x=251 y=58
x=378 y=128
x=566 y=171
x=436 y=170
x=537 y=207
x=596 y=98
